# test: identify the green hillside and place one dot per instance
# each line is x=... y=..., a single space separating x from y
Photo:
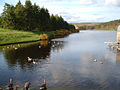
x=112 y=25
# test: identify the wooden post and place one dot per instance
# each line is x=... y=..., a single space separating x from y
x=118 y=35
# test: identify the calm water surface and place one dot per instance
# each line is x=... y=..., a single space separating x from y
x=66 y=63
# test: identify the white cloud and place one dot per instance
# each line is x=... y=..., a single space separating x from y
x=112 y=2
x=1 y=9
x=87 y=2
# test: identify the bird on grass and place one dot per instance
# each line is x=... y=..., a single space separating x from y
x=43 y=86
x=27 y=85
x=10 y=85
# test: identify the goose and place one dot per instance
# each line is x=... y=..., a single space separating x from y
x=30 y=59
x=10 y=85
x=95 y=60
x=43 y=86
x=27 y=85
x=101 y=62
x=16 y=87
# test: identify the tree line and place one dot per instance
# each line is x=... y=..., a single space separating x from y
x=31 y=17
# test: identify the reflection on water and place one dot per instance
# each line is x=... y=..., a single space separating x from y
x=66 y=63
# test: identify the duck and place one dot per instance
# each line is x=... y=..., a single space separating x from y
x=95 y=60
x=16 y=48
x=3 y=49
x=35 y=62
x=53 y=46
x=10 y=85
x=43 y=86
x=16 y=87
x=27 y=85
x=21 y=89
x=18 y=45
x=101 y=62
x=30 y=59
x=39 y=46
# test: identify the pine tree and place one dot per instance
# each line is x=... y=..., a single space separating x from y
x=28 y=15
x=8 y=16
x=19 y=13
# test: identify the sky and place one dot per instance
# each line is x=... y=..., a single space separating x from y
x=78 y=11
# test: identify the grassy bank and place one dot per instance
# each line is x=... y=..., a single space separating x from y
x=14 y=36
x=8 y=36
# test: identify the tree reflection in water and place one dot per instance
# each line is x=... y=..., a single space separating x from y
x=19 y=55
x=32 y=50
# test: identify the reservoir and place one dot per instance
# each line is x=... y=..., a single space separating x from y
x=66 y=63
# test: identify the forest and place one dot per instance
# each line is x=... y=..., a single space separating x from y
x=31 y=17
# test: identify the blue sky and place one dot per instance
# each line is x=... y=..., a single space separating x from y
x=78 y=10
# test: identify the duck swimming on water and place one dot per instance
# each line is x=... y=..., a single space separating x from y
x=101 y=62
x=43 y=86
x=30 y=59
x=27 y=85
x=95 y=60
x=34 y=62
x=16 y=87
x=10 y=85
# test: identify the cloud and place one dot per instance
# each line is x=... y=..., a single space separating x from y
x=1 y=9
x=112 y=2
x=77 y=14
x=87 y=2
x=82 y=2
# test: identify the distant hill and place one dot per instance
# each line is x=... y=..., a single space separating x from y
x=112 y=25
x=85 y=24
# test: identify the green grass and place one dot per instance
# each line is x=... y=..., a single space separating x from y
x=14 y=36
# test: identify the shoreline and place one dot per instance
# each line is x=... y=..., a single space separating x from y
x=51 y=35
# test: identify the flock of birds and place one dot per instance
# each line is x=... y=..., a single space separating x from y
x=18 y=45
x=55 y=43
x=30 y=60
x=112 y=45
x=95 y=60
x=15 y=47
x=26 y=86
